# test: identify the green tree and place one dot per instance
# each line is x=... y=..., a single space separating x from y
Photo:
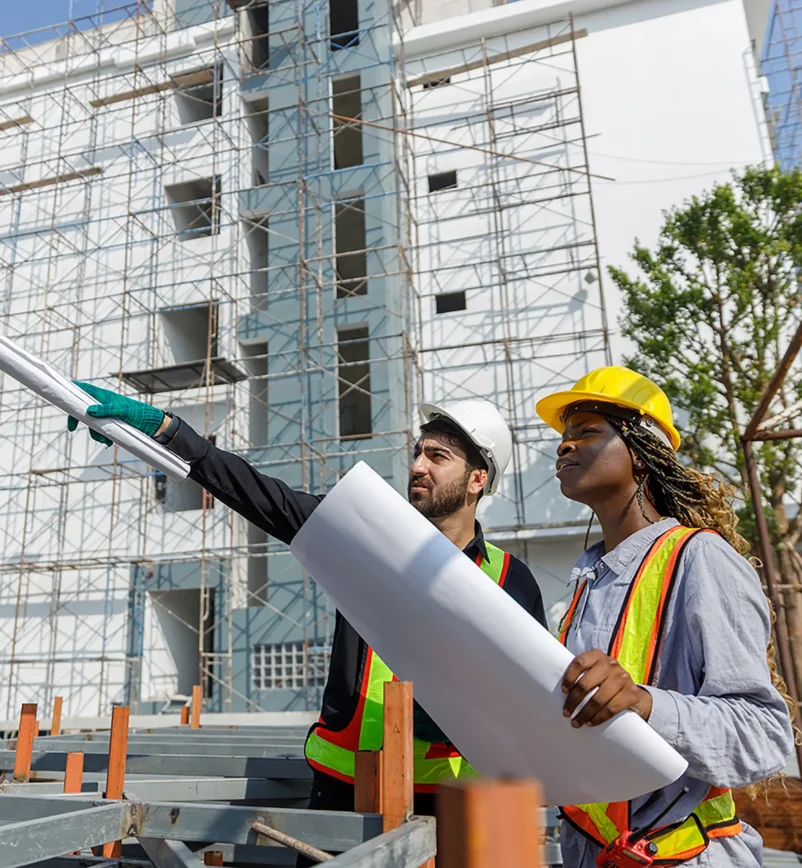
x=710 y=312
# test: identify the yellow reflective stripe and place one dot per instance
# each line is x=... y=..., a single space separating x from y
x=680 y=840
x=598 y=813
x=493 y=564
x=371 y=730
x=643 y=608
x=426 y=771
x=719 y=809
x=331 y=756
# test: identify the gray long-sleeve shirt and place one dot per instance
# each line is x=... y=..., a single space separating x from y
x=713 y=700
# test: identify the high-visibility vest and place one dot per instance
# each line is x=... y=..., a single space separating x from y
x=333 y=752
x=635 y=644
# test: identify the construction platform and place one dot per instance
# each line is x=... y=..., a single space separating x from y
x=218 y=795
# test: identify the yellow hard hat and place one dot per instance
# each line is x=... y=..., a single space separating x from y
x=621 y=387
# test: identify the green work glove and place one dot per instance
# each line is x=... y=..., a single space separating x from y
x=113 y=406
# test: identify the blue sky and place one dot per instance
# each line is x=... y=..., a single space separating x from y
x=18 y=16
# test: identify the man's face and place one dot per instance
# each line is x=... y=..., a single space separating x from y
x=440 y=479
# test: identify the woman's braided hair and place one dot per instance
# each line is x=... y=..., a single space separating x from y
x=695 y=499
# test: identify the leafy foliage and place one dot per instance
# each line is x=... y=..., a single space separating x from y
x=710 y=313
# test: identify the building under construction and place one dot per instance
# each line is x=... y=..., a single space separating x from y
x=287 y=222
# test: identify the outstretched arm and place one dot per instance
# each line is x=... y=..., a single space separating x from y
x=265 y=501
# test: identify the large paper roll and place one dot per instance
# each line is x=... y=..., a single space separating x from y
x=54 y=387
x=486 y=671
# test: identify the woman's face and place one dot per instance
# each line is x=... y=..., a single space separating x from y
x=593 y=463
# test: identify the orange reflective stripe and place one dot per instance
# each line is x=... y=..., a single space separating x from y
x=569 y=615
x=636 y=644
x=618 y=812
x=581 y=820
x=733 y=828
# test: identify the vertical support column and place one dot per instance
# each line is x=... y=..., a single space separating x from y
x=368 y=782
x=74 y=773
x=184 y=715
x=197 y=701
x=486 y=823
x=25 y=736
x=74 y=777
x=55 y=723
x=397 y=771
x=115 y=777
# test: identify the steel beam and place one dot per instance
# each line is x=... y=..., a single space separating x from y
x=407 y=846
x=169 y=854
x=280 y=768
x=58 y=832
x=175 y=748
x=335 y=831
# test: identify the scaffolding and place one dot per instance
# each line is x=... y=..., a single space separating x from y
x=781 y=64
x=247 y=215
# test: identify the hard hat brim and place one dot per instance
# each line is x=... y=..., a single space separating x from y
x=551 y=408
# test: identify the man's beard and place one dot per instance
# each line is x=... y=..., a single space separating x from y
x=441 y=502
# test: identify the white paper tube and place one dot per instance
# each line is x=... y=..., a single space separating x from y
x=54 y=387
x=482 y=667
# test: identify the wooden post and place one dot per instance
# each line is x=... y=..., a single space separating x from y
x=74 y=777
x=213 y=857
x=184 y=722
x=197 y=700
x=486 y=823
x=368 y=782
x=25 y=736
x=36 y=729
x=74 y=773
x=55 y=723
x=397 y=772
x=115 y=777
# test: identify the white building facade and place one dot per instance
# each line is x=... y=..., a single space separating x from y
x=288 y=231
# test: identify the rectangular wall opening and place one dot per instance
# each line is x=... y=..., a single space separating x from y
x=351 y=256
x=347 y=140
x=178 y=613
x=195 y=207
x=442 y=181
x=259 y=21
x=353 y=379
x=254 y=360
x=190 y=331
x=450 y=302
x=256 y=238
x=257 y=566
x=199 y=96
x=343 y=24
x=256 y=117
x=436 y=82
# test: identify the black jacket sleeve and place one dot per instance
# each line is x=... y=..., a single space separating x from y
x=265 y=501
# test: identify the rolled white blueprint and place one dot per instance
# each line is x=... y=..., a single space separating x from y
x=54 y=387
x=482 y=667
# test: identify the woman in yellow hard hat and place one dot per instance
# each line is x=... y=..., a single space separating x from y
x=669 y=621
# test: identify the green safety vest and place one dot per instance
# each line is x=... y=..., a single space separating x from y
x=333 y=751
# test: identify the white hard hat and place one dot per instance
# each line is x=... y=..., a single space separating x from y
x=484 y=426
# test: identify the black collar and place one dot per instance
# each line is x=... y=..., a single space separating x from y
x=477 y=544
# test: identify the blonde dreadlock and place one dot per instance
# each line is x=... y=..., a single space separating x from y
x=695 y=499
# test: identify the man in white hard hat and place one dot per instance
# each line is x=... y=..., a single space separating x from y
x=461 y=453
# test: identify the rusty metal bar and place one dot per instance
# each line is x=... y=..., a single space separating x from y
x=774 y=385
x=775 y=597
